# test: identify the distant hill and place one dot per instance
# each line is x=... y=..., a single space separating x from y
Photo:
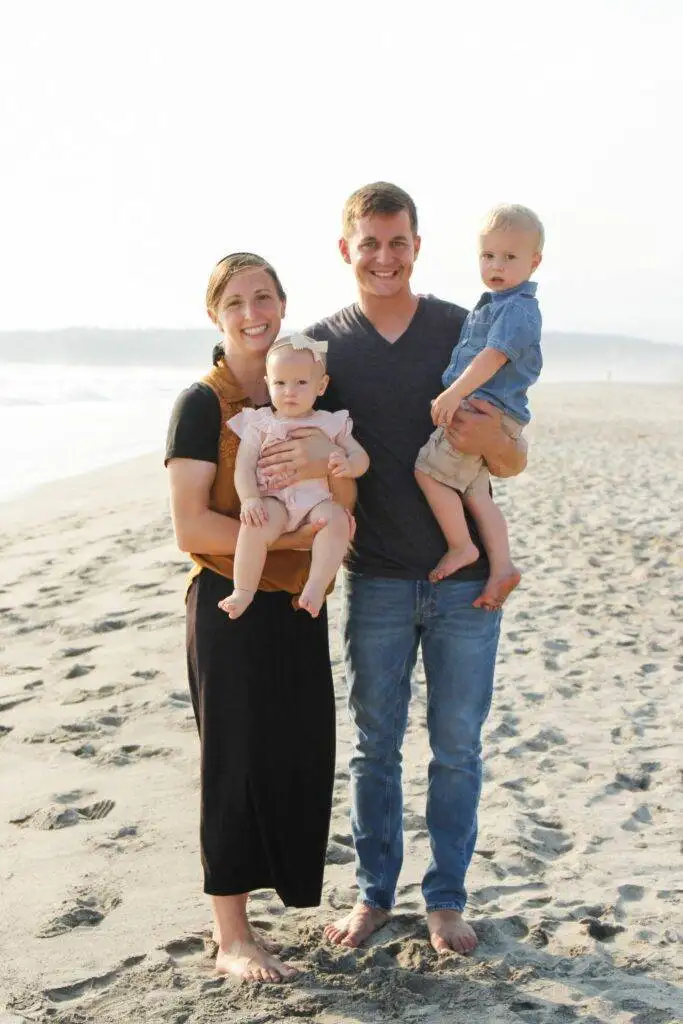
x=567 y=356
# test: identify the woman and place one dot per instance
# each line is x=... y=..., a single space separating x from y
x=261 y=685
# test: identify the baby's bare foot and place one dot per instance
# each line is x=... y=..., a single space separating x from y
x=454 y=559
x=497 y=589
x=353 y=929
x=249 y=961
x=311 y=599
x=237 y=603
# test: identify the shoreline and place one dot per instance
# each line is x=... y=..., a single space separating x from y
x=541 y=395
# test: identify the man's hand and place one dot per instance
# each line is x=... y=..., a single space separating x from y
x=304 y=456
x=253 y=512
x=338 y=465
x=444 y=408
x=475 y=427
x=477 y=430
x=300 y=539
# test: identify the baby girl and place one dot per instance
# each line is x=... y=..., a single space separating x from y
x=295 y=374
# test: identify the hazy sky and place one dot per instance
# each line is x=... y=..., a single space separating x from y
x=141 y=141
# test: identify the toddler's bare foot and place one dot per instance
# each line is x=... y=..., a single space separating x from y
x=454 y=559
x=237 y=603
x=311 y=599
x=357 y=926
x=449 y=933
x=497 y=589
x=248 y=961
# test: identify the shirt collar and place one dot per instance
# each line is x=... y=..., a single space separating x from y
x=525 y=288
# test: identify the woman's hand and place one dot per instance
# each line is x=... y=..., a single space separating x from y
x=253 y=512
x=304 y=456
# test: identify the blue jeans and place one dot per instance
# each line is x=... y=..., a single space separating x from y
x=385 y=620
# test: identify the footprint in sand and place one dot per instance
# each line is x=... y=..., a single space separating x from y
x=109 y=625
x=79 y=696
x=84 y=909
x=77 y=652
x=188 y=946
x=119 y=757
x=12 y=702
x=78 y=670
x=340 y=849
x=88 y=986
x=52 y=818
x=102 y=725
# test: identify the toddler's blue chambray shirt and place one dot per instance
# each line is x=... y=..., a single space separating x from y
x=510 y=322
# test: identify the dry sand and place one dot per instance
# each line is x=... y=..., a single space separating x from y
x=576 y=886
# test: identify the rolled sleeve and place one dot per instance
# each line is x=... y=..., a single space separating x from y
x=512 y=331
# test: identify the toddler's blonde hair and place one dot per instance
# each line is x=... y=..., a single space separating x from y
x=512 y=215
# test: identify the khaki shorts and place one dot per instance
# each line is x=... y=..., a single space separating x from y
x=464 y=473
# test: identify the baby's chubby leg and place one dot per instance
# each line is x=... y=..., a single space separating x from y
x=329 y=548
x=250 y=556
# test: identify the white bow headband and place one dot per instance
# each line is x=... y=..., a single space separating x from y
x=301 y=341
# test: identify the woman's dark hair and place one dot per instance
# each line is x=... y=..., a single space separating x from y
x=226 y=269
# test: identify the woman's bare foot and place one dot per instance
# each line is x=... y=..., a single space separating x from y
x=454 y=559
x=311 y=599
x=248 y=961
x=497 y=589
x=237 y=603
x=357 y=926
x=448 y=932
x=268 y=944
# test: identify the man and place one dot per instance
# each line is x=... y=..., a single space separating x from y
x=386 y=354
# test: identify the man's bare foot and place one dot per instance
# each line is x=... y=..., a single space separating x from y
x=248 y=961
x=448 y=932
x=237 y=603
x=454 y=559
x=497 y=589
x=311 y=599
x=357 y=926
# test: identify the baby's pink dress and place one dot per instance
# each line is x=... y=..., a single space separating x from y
x=259 y=428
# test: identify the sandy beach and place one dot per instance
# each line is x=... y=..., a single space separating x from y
x=576 y=887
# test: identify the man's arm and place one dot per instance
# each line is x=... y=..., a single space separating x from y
x=479 y=432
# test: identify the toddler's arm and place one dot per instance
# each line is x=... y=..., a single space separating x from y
x=481 y=369
x=352 y=462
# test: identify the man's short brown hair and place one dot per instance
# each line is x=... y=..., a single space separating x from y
x=381 y=197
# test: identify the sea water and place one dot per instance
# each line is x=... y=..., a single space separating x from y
x=57 y=421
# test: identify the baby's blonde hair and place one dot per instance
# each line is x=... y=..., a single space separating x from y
x=512 y=215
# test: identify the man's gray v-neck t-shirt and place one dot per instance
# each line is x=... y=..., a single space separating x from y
x=387 y=388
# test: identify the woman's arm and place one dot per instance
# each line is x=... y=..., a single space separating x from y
x=196 y=526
